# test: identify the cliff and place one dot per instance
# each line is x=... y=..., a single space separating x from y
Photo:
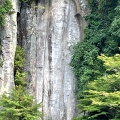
x=47 y=30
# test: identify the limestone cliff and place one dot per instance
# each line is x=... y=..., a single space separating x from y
x=47 y=29
x=8 y=39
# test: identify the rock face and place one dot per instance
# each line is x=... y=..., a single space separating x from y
x=47 y=30
x=8 y=38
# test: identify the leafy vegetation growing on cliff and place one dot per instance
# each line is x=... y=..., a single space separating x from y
x=102 y=36
x=101 y=100
x=5 y=7
x=19 y=105
x=20 y=76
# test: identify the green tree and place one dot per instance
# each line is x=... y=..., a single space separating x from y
x=20 y=78
x=19 y=58
x=100 y=38
x=19 y=106
x=20 y=75
x=116 y=22
x=101 y=100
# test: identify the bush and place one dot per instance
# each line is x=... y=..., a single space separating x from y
x=101 y=100
x=101 y=37
x=19 y=106
x=5 y=7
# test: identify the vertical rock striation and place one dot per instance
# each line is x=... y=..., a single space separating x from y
x=47 y=29
x=8 y=37
x=50 y=28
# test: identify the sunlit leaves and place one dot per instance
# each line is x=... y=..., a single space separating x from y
x=102 y=96
x=99 y=39
x=19 y=106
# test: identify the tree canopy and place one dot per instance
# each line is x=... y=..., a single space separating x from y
x=101 y=37
x=97 y=84
x=19 y=105
x=101 y=100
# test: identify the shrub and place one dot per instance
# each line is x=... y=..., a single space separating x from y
x=101 y=100
x=5 y=7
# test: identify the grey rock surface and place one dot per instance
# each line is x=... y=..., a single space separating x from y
x=8 y=36
x=50 y=31
x=47 y=30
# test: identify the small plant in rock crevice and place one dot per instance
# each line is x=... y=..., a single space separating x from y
x=5 y=7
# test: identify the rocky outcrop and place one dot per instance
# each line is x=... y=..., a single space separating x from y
x=47 y=29
x=8 y=38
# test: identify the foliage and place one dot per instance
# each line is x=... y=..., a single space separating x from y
x=116 y=22
x=101 y=100
x=5 y=7
x=19 y=106
x=20 y=76
x=85 y=65
x=99 y=38
x=19 y=58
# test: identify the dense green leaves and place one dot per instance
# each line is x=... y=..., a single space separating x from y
x=101 y=37
x=5 y=7
x=116 y=22
x=19 y=106
x=101 y=100
x=86 y=66
x=98 y=84
x=19 y=58
x=20 y=78
x=20 y=75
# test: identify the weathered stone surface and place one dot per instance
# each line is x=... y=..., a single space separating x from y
x=49 y=33
x=47 y=30
x=8 y=38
